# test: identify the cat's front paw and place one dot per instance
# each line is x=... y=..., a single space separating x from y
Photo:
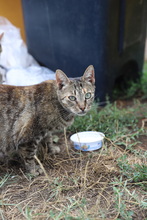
x=55 y=150
x=37 y=171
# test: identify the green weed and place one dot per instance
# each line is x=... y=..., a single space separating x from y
x=111 y=120
x=72 y=206
x=120 y=205
x=4 y=179
x=135 y=173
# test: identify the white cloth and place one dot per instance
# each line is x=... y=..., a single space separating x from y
x=22 y=67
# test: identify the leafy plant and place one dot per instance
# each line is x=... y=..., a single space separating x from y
x=135 y=173
x=122 y=212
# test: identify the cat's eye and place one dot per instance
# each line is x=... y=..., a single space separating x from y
x=72 y=98
x=88 y=95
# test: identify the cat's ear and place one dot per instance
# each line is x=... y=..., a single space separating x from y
x=61 y=79
x=1 y=36
x=89 y=75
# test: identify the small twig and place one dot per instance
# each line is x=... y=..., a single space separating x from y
x=108 y=139
x=85 y=176
x=143 y=123
x=24 y=175
x=78 y=158
x=94 y=167
x=39 y=162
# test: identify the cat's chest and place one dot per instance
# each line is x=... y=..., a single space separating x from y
x=57 y=118
x=60 y=123
x=53 y=126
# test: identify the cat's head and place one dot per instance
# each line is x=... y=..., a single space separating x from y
x=76 y=95
x=1 y=36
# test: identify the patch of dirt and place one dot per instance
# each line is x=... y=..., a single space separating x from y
x=79 y=180
x=143 y=142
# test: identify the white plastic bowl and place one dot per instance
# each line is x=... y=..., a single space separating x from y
x=87 y=140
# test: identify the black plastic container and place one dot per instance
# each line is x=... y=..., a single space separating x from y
x=72 y=34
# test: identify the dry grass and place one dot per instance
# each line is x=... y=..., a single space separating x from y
x=75 y=185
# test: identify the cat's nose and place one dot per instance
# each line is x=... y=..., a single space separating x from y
x=82 y=108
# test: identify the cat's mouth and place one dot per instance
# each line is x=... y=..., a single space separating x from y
x=82 y=113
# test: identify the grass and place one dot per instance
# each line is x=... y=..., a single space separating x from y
x=110 y=183
x=135 y=172
x=120 y=120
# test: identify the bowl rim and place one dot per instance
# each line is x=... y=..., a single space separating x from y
x=102 y=134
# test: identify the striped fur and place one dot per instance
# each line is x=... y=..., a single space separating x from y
x=29 y=114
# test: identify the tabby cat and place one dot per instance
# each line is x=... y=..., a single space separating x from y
x=29 y=114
